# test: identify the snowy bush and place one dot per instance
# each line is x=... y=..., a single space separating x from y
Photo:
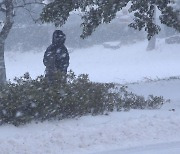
x=67 y=96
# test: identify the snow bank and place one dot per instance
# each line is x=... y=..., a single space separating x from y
x=92 y=134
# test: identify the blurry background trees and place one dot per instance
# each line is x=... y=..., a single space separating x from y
x=97 y=12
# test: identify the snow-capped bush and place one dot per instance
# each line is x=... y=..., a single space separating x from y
x=67 y=96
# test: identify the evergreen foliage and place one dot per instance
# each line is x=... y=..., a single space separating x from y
x=96 y=12
x=68 y=96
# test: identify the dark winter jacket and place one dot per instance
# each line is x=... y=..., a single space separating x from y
x=56 y=57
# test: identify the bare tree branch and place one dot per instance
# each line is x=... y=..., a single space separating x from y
x=26 y=5
x=2 y=9
x=9 y=19
x=29 y=3
x=30 y=13
x=1 y=3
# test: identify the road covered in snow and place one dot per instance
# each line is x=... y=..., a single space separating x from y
x=163 y=148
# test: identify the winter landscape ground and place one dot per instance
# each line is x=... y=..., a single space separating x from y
x=132 y=132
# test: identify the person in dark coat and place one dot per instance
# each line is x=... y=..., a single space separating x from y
x=56 y=56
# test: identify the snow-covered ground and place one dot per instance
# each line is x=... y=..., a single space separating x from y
x=136 y=131
x=163 y=148
x=126 y=64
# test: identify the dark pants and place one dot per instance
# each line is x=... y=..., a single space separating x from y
x=55 y=74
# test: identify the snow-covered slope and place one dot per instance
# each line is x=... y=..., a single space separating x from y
x=123 y=132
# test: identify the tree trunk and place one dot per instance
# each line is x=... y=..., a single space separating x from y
x=2 y=65
x=3 y=35
x=152 y=41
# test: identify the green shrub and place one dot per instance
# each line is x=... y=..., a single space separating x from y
x=67 y=96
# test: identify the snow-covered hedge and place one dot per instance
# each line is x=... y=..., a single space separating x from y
x=68 y=96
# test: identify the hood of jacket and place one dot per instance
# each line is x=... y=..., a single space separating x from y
x=58 y=37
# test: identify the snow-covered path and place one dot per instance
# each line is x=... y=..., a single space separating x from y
x=164 y=148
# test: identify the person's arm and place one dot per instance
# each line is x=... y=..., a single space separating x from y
x=45 y=59
x=48 y=59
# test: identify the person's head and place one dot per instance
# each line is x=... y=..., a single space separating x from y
x=58 y=37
